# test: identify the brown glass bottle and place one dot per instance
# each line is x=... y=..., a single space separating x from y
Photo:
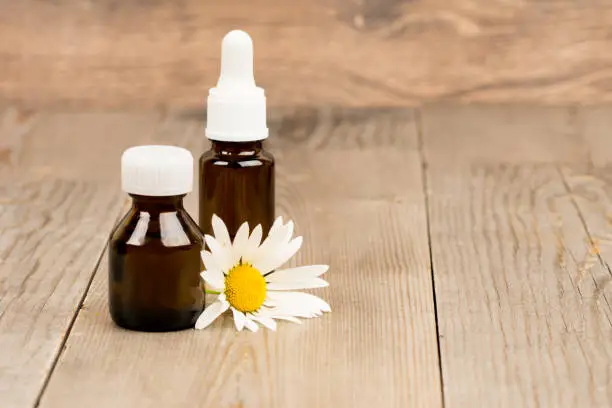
x=237 y=184
x=155 y=265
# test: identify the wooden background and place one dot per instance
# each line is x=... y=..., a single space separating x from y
x=152 y=53
x=469 y=241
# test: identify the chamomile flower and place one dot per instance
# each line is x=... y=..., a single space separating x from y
x=245 y=275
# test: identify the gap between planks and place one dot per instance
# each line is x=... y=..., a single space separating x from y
x=516 y=326
x=424 y=166
x=62 y=344
x=60 y=200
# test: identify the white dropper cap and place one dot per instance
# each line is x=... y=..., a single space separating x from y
x=236 y=106
x=157 y=171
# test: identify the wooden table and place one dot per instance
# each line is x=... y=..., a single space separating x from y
x=467 y=245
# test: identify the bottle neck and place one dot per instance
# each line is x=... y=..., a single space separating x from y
x=157 y=204
x=237 y=149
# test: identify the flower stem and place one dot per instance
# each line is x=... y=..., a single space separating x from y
x=211 y=292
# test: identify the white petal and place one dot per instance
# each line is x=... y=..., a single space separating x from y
x=208 y=260
x=240 y=242
x=212 y=274
x=252 y=244
x=305 y=284
x=255 y=238
x=211 y=313
x=266 y=321
x=270 y=245
x=220 y=231
x=300 y=273
x=288 y=318
x=296 y=304
x=214 y=279
x=279 y=258
x=288 y=231
x=215 y=248
x=251 y=325
x=239 y=319
x=292 y=247
x=221 y=255
x=278 y=223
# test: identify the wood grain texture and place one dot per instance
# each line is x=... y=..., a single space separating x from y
x=59 y=198
x=378 y=346
x=518 y=325
x=591 y=193
x=324 y=52
x=520 y=221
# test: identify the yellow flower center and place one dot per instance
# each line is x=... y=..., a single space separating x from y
x=245 y=288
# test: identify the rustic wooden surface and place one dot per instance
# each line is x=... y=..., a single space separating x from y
x=512 y=204
x=218 y=368
x=520 y=324
x=109 y=53
x=59 y=199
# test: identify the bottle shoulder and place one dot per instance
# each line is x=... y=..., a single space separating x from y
x=207 y=155
x=267 y=156
x=164 y=230
x=214 y=158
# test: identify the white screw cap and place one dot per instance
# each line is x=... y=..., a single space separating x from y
x=157 y=171
x=236 y=106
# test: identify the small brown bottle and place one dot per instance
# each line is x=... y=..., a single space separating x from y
x=236 y=174
x=154 y=251
x=237 y=184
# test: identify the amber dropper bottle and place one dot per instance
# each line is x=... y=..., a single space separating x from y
x=236 y=174
x=154 y=251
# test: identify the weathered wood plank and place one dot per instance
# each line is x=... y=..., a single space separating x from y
x=591 y=188
x=58 y=200
x=378 y=346
x=517 y=326
x=110 y=53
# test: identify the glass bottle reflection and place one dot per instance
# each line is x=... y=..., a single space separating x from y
x=155 y=265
